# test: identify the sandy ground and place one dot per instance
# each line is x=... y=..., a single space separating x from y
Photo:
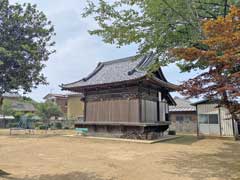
x=26 y=157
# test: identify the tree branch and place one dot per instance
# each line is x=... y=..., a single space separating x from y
x=197 y=28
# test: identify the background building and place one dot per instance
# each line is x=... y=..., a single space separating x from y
x=214 y=120
x=183 y=116
x=75 y=107
x=120 y=98
x=58 y=99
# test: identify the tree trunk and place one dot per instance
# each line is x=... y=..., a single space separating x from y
x=1 y=101
x=234 y=116
x=225 y=7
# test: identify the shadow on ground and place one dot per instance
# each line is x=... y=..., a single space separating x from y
x=222 y=165
x=184 y=140
x=70 y=176
x=3 y=173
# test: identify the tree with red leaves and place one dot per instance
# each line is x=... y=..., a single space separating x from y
x=218 y=55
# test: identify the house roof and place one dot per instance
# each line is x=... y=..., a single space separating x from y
x=206 y=101
x=182 y=105
x=11 y=95
x=76 y=95
x=6 y=117
x=52 y=95
x=22 y=106
x=120 y=70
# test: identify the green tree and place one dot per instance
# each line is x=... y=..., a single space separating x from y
x=47 y=110
x=6 y=109
x=155 y=25
x=25 y=44
x=221 y=80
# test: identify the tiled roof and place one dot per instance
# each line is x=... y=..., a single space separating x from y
x=182 y=105
x=120 y=70
x=207 y=101
x=75 y=95
x=51 y=95
x=23 y=106
x=11 y=95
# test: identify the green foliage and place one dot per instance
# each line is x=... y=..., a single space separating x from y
x=13 y=125
x=47 y=110
x=6 y=108
x=58 y=125
x=42 y=127
x=155 y=25
x=25 y=44
x=18 y=115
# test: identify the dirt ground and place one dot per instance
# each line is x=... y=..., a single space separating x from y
x=54 y=157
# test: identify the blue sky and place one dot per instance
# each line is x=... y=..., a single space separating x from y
x=77 y=52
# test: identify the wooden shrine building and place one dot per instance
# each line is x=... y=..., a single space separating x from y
x=122 y=99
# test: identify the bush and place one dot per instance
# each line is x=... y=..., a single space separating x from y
x=13 y=125
x=42 y=127
x=171 y=132
x=58 y=125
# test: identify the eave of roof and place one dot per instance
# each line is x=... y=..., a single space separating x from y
x=169 y=86
x=183 y=109
x=206 y=101
x=77 y=89
x=55 y=95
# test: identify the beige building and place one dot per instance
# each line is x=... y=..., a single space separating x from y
x=75 y=109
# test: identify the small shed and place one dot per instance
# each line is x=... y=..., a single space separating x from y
x=214 y=120
x=183 y=116
x=121 y=97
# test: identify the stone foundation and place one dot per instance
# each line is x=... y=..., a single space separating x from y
x=140 y=131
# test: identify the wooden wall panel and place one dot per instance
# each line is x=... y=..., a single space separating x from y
x=207 y=109
x=162 y=111
x=134 y=111
x=124 y=110
x=115 y=106
x=113 y=111
x=226 y=122
x=143 y=110
x=149 y=111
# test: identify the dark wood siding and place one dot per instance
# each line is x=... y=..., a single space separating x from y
x=113 y=110
x=149 y=111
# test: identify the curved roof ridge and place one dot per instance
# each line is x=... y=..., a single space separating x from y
x=118 y=60
x=135 y=69
x=98 y=68
x=145 y=60
x=148 y=60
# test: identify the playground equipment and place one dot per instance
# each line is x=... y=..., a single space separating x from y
x=26 y=123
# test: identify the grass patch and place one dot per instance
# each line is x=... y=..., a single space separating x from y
x=184 y=140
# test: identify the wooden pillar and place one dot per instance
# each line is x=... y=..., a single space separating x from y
x=140 y=101
x=85 y=106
